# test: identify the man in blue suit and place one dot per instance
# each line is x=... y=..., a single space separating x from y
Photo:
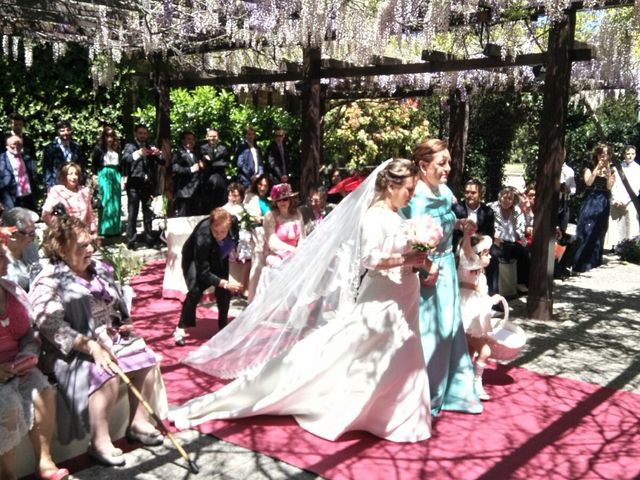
x=248 y=159
x=61 y=151
x=18 y=176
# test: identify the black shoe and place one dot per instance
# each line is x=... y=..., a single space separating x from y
x=132 y=246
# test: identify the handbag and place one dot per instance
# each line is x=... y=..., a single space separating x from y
x=123 y=346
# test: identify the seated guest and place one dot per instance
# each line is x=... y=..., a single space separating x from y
x=21 y=251
x=240 y=266
x=235 y=198
x=27 y=398
x=85 y=328
x=315 y=210
x=482 y=215
x=283 y=227
x=509 y=238
x=205 y=263
x=70 y=198
x=256 y=199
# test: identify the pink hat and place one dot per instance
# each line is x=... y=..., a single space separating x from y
x=281 y=191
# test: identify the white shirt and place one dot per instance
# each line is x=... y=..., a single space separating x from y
x=619 y=194
x=568 y=177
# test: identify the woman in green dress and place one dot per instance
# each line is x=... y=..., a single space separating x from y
x=444 y=345
x=106 y=165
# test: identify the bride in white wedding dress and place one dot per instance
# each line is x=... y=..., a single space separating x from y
x=334 y=364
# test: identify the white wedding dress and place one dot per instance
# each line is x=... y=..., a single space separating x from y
x=361 y=371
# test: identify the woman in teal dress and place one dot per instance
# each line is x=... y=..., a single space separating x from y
x=444 y=345
x=106 y=165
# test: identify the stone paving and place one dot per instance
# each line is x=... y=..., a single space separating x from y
x=593 y=338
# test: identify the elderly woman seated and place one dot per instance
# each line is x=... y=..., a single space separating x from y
x=86 y=329
x=21 y=250
x=27 y=398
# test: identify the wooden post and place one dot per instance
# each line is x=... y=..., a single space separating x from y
x=552 y=129
x=311 y=121
x=163 y=121
x=458 y=129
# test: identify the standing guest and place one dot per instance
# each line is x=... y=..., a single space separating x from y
x=594 y=211
x=18 y=176
x=82 y=320
x=106 y=165
x=21 y=251
x=61 y=151
x=186 y=177
x=527 y=202
x=16 y=127
x=509 y=240
x=249 y=159
x=138 y=158
x=215 y=159
x=278 y=159
x=235 y=198
x=334 y=179
x=567 y=188
x=283 y=225
x=240 y=261
x=257 y=205
x=623 y=220
x=482 y=215
x=205 y=263
x=315 y=210
x=74 y=199
x=27 y=398
x=449 y=368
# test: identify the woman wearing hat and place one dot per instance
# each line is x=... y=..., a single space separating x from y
x=283 y=225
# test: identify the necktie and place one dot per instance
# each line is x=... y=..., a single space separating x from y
x=284 y=164
x=23 y=179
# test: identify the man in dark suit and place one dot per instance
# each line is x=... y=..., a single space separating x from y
x=61 y=151
x=473 y=208
x=205 y=263
x=16 y=127
x=248 y=159
x=214 y=158
x=186 y=177
x=18 y=176
x=138 y=158
x=278 y=164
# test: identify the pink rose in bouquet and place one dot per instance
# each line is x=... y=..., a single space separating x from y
x=425 y=234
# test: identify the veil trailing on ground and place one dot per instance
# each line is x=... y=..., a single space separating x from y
x=311 y=288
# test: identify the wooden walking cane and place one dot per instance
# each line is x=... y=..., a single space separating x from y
x=193 y=467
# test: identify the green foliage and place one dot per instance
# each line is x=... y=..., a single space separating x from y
x=629 y=250
x=52 y=90
x=125 y=264
x=492 y=127
x=367 y=132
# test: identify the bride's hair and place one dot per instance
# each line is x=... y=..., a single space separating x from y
x=395 y=173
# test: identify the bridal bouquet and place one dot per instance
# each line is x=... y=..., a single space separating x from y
x=425 y=233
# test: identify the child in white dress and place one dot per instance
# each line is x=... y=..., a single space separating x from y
x=476 y=303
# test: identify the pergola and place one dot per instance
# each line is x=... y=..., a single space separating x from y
x=352 y=48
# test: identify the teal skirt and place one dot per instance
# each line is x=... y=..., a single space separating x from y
x=110 y=191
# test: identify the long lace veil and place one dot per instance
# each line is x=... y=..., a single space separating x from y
x=311 y=288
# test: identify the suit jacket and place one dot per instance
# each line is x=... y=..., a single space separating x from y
x=486 y=220
x=185 y=182
x=9 y=183
x=277 y=164
x=246 y=168
x=215 y=159
x=203 y=252
x=53 y=159
x=139 y=171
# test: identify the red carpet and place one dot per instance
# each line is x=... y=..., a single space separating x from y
x=535 y=427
